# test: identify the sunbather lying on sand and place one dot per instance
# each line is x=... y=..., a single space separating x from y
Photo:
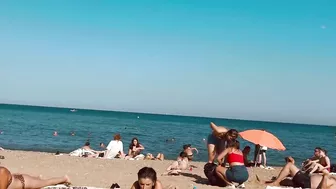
x=150 y=156
x=22 y=181
x=177 y=166
x=302 y=179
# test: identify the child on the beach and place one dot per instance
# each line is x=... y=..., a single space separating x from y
x=177 y=166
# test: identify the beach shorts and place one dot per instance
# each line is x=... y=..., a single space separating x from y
x=301 y=179
x=219 y=144
x=237 y=173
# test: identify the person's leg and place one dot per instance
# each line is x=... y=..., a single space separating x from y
x=34 y=182
x=221 y=173
x=174 y=165
x=5 y=177
x=265 y=160
x=288 y=169
x=211 y=148
x=259 y=159
x=325 y=181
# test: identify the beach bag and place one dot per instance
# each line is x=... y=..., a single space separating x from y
x=210 y=173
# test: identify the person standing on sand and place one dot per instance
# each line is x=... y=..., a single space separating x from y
x=23 y=181
x=217 y=140
x=302 y=179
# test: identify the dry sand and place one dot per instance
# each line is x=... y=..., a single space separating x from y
x=102 y=172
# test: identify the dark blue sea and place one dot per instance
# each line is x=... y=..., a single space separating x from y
x=31 y=128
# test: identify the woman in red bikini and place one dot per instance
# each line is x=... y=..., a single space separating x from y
x=22 y=181
x=237 y=171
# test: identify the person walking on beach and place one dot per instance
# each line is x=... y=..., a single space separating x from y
x=217 y=140
x=23 y=181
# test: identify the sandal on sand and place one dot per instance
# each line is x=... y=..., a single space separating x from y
x=115 y=186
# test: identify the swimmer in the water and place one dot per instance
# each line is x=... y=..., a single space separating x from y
x=72 y=133
x=55 y=133
x=170 y=140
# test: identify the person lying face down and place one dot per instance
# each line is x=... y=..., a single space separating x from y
x=147 y=179
x=23 y=181
x=302 y=179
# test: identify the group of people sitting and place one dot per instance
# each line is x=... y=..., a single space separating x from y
x=115 y=149
x=314 y=173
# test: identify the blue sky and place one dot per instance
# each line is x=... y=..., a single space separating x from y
x=260 y=60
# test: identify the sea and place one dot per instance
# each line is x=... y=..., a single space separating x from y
x=31 y=128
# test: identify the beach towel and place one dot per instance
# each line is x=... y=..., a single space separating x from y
x=281 y=187
x=80 y=152
x=61 y=186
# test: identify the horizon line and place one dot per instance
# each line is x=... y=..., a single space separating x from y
x=161 y=114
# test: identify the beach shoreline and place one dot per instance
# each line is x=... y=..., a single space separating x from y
x=103 y=172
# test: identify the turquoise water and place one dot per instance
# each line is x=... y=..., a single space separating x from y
x=31 y=128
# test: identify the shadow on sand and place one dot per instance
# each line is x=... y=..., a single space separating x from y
x=198 y=179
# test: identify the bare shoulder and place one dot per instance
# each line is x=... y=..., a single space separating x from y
x=158 y=185
x=135 y=185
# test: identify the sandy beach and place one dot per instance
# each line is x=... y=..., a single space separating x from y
x=102 y=173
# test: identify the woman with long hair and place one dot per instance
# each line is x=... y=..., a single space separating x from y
x=218 y=139
x=135 y=148
x=237 y=171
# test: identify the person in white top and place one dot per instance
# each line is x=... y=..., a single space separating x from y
x=262 y=155
x=115 y=148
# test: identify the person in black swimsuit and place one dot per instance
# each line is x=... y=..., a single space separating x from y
x=303 y=179
x=147 y=179
x=23 y=181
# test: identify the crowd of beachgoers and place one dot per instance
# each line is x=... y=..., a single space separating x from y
x=227 y=164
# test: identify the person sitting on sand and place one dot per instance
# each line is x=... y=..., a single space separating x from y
x=135 y=148
x=88 y=151
x=147 y=179
x=217 y=140
x=177 y=166
x=301 y=179
x=23 y=181
x=84 y=151
x=314 y=158
x=317 y=166
x=150 y=156
x=246 y=151
x=237 y=171
x=115 y=148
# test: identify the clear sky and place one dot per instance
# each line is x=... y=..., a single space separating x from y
x=260 y=60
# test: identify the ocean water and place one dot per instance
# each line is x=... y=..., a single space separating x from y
x=31 y=128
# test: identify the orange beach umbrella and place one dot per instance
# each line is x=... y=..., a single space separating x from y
x=263 y=138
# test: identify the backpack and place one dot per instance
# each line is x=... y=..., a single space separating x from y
x=333 y=168
x=210 y=173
